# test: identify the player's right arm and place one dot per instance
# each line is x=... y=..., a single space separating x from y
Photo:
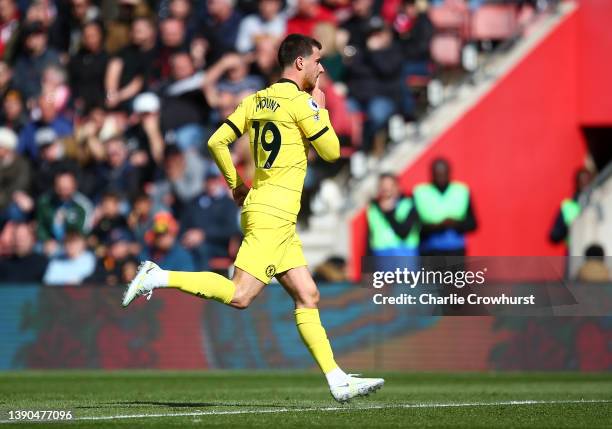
x=313 y=120
x=218 y=144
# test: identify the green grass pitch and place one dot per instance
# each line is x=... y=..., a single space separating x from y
x=159 y=399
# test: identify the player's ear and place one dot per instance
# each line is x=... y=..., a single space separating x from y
x=299 y=63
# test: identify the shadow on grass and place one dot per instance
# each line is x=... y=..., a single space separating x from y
x=186 y=404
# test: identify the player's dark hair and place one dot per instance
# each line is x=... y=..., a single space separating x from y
x=294 y=46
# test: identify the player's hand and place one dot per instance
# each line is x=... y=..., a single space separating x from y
x=318 y=96
x=240 y=193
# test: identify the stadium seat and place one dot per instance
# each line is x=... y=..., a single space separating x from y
x=451 y=16
x=445 y=18
x=494 y=22
x=446 y=50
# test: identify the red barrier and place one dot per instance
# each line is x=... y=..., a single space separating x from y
x=594 y=62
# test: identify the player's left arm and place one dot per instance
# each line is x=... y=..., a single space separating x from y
x=314 y=122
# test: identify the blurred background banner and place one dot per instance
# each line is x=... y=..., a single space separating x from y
x=84 y=327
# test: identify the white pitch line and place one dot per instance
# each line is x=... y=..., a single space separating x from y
x=325 y=409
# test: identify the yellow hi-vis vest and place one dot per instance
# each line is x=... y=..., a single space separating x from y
x=434 y=207
x=382 y=236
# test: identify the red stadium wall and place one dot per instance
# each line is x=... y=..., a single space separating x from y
x=595 y=62
x=517 y=148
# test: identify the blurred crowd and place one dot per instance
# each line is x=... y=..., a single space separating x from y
x=105 y=106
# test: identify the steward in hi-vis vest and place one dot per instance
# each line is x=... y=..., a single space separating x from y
x=445 y=212
x=569 y=209
x=392 y=226
x=393 y=229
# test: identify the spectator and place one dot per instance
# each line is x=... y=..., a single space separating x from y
x=9 y=26
x=89 y=136
x=129 y=69
x=266 y=64
x=199 y=49
x=14 y=180
x=107 y=218
x=162 y=245
x=235 y=83
x=182 y=181
x=54 y=85
x=308 y=14
x=61 y=211
x=23 y=265
x=144 y=135
x=570 y=209
x=209 y=222
x=119 y=20
x=87 y=68
x=373 y=82
x=140 y=218
x=183 y=10
x=415 y=31
x=13 y=114
x=332 y=60
x=51 y=161
x=144 y=34
x=49 y=118
x=594 y=269
x=6 y=78
x=184 y=106
x=173 y=36
x=354 y=30
x=33 y=60
x=117 y=173
x=69 y=26
x=117 y=266
x=446 y=214
x=238 y=83
x=43 y=12
x=269 y=21
x=73 y=265
x=221 y=27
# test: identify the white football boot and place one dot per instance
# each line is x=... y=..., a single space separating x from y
x=148 y=277
x=356 y=386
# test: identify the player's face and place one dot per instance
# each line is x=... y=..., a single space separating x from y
x=312 y=69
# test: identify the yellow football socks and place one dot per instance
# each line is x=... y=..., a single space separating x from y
x=204 y=284
x=314 y=336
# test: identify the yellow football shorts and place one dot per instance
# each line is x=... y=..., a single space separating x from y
x=270 y=246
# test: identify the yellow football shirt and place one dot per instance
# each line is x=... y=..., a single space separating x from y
x=282 y=122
